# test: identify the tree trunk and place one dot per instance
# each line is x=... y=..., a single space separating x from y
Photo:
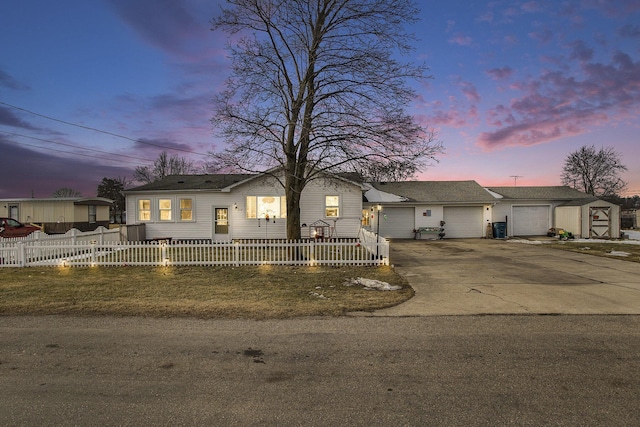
x=293 y=191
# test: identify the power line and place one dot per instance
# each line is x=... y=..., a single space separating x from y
x=70 y=152
x=138 y=141
x=73 y=146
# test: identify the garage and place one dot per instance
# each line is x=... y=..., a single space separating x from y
x=531 y=220
x=463 y=222
x=397 y=222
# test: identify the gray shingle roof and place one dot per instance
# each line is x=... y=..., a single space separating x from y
x=193 y=182
x=437 y=191
x=213 y=182
x=541 y=193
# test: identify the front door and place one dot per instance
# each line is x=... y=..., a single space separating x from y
x=220 y=223
x=13 y=212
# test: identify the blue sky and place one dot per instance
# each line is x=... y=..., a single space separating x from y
x=517 y=85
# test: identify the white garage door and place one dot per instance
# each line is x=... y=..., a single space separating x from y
x=463 y=222
x=397 y=223
x=530 y=220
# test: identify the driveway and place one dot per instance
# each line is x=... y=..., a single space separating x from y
x=479 y=276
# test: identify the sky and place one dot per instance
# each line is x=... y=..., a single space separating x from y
x=93 y=88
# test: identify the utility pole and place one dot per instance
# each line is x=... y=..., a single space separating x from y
x=515 y=179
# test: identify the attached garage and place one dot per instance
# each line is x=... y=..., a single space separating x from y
x=531 y=220
x=397 y=222
x=463 y=222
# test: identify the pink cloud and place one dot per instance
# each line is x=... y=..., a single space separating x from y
x=469 y=90
x=501 y=73
x=560 y=104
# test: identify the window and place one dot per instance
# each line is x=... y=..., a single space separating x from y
x=186 y=210
x=144 y=210
x=92 y=214
x=164 y=207
x=261 y=206
x=332 y=206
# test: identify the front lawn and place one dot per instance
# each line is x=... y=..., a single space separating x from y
x=263 y=292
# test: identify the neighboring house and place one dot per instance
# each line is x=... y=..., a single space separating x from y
x=223 y=207
x=531 y=211
x=59 y=215
x=464 y=206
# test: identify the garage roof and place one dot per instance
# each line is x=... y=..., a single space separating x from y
x=431 y=192
x=541 y=193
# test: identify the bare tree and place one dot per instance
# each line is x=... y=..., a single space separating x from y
x=316 y=87
x=112 y=188
x=594 y=172
x=66 y=192
x=163 y=166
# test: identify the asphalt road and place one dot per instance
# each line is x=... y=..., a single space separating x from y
x=350 y=371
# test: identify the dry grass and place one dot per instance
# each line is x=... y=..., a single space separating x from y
x=600 y=249
x=204 y=292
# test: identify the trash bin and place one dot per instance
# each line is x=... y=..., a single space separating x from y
x=499 y=230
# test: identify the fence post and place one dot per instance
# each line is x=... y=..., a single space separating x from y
x=163 y=252
x=20 y=254
x=93 y=254
x=312 y=252
x=236 y=254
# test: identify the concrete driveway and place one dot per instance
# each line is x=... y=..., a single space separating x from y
x=478 y=276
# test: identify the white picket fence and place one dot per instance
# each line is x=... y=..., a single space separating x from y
x=366 y=250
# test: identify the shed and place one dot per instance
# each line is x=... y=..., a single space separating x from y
x=59 y=215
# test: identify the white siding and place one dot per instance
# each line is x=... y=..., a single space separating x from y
x=240 y=227
x=463 y=221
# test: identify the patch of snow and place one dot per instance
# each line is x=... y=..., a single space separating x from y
x=372 y=284
x=619 y=253
x=525 y=242
x=317 y=295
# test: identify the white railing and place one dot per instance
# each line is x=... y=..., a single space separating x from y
x=252 y=252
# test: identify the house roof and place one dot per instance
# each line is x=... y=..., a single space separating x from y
x=215 y=182
x=429 y=191
x=193 y=182
x=541 y=193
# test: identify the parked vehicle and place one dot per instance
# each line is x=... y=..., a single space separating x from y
x=9 y=227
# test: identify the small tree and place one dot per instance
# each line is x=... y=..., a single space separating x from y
x=317 y=86
x=66 y=192
x=163 y=166
x=112 y=189
x=594 y=171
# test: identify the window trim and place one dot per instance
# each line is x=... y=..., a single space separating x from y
x=252 y=206
x=181 y=210
x=140 y=210
x=161 y=210
x=92 y=214
x=327 y=206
